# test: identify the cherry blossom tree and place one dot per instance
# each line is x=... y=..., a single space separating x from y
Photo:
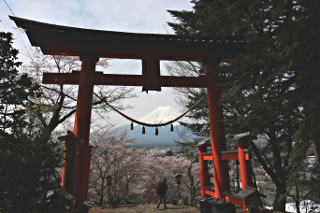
x=58 y=102
x=156 y=169
x=113 y=151
x=192 y=181
x=138 y=171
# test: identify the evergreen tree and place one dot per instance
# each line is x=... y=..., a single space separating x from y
x=28 y=157
x=274 y=88
x=28 y=171
x=15 y=89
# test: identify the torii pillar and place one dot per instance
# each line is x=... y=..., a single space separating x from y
x=82 y=123
x=217 y=133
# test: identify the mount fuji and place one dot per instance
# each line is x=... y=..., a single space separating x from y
x=160 y=115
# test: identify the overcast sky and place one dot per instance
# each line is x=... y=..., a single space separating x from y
x=138 y=16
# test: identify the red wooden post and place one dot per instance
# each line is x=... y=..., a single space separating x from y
x=178 y=181
x=70 y=161
x=65 y=165
x=82 y=123
x=220 y=167
x=242 y=144
x=203 y=167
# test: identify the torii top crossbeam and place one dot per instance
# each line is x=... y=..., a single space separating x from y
x=62 y=40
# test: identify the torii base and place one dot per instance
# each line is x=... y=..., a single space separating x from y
x=206 y=207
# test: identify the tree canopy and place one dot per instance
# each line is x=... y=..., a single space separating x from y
x=273 y=90
x=15 y=89
x=28 y=156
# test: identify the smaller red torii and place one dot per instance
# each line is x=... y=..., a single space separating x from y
x=241 y=155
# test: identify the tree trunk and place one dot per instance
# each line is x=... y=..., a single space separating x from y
x=101 y=193
x=297 y=201
x=277 y=177
x=192 y=187
x=279 y=205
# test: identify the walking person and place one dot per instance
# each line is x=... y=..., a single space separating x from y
x=161 y=191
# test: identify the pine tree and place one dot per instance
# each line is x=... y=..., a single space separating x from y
x=15 y=89
x=28 y=156
x=274 y=88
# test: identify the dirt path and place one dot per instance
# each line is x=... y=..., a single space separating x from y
x=147 y=208
x=152 y=208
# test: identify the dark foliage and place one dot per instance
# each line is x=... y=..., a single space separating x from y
x=15 y=88
x=273 y=90
x=28 y=157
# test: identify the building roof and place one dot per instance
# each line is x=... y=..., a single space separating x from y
x=249 y=191
x=313 y=195
x=63 y=40
x=62 y=193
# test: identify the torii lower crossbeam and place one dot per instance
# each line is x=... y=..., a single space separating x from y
x=99 y=78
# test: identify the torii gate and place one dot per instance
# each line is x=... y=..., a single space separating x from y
x=89 y=45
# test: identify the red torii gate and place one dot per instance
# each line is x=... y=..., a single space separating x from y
x=89 y=45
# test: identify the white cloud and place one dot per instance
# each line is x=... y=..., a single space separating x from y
x=146 y=16
x=139 y=16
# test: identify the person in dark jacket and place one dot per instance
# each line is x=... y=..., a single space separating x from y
x=161 y=191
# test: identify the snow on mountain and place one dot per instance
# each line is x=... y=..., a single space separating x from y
x=160 y=115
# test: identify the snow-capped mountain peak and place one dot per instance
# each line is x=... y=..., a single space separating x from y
x=160 y=115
